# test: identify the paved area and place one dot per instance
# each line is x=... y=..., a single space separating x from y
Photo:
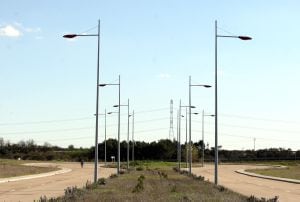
x=247 y=185
x=51 y=186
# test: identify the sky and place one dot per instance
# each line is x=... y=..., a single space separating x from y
x=48 y=83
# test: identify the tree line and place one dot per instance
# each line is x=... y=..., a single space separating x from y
x=163 y=150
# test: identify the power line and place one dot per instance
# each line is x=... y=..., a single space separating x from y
x=259 y=119
x=41 y=122
x=255 y=128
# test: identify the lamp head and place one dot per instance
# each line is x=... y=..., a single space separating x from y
x=116 y=106
x=102 y=85
x=207 y=86
x=69 y=36
x=244 y=38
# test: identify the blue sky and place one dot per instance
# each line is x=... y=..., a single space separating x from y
x=47 y=83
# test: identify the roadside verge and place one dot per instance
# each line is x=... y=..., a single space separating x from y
x=243 y=172
x=26 y=177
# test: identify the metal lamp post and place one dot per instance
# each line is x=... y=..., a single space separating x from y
x=216 y=93
x=116 y=84
x=190 y=122
x=133 y=142
x=104 y=135
x=128 y=115
x=97 y=95
x=203 y=145
x=186 y=130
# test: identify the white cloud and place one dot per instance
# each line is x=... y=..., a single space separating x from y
x=164 y=76
x=10 y=31
x=16 y=29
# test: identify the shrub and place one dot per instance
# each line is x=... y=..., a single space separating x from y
x=140 y=168
x=255 y=199
x=140 y=185
x=101 y=181
x=113 y=176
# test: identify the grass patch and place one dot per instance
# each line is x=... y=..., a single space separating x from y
x=156 y=183
x=13 y=168
x=291 y=172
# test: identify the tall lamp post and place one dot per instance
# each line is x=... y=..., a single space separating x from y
x=104 y=135
x=133 y=142
x=179 y=136
x=190 y=122
x=216 y=93
x=203 y=145
x=128 y=115
x=116 y=84
x=186 y=131
x=97 y=95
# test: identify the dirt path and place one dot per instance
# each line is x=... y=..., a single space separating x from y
x=32 y=189
x=250 y=185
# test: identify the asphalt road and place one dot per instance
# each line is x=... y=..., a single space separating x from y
x=287 y=192
x=51 y=186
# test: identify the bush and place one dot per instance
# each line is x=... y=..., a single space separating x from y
x=140 y=185
x=255 y=199
x=113 y=176
x=101 y=181
x=140 y=168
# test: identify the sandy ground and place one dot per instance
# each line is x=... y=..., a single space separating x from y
x=32 y=189
x=247 y=185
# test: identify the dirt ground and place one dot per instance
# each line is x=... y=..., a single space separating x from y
x=247 y=185
x=32 y=189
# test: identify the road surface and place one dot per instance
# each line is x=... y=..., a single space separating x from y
x=51 y=186
x=247 y=185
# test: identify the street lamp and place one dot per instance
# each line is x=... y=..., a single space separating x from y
x=128 y=115
x=97 y=95
x=104 y=134
x=203 y=115
x=133 y=142
x=190 y=121
x=116 y=84
x=216 y=93
x=186 y=130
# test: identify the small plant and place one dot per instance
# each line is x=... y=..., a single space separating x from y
x=122 y=172
x=174 y=188
x=176 y=169
x=221 y=188
x=140 y=168
x=140 y=185
x=89 y=185
x=255 y=199
x=186 y=199
x=101 y=181
x=113 y=176
x=162 y=174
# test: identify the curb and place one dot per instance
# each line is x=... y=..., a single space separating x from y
x=27 y=177
x=243 y=172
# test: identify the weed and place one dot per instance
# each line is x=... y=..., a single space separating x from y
x=140 y=168
x=221 y=188
x=101 y=181
x=255 y=199
x=140 y=185
x=174 y=188
x=113 y=176
x=185 y=199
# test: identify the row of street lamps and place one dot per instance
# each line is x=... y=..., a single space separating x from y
x=119 y=105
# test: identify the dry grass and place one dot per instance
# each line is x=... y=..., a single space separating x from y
x=291 y=172
x=9 y=168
